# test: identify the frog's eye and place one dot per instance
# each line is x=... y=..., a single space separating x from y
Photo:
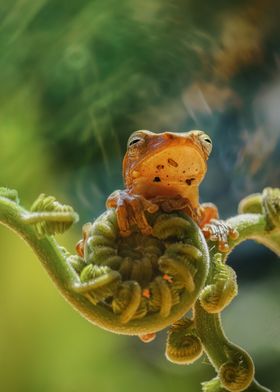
x=135 y=140
x=206 y=143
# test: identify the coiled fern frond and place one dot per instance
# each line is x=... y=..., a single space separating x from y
x=223 y=288
x=183 y=345
x=10 y=194
x=271 y=205
x=238 y=372
x=49 y=216
x=160 y=275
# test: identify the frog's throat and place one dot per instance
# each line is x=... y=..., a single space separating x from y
x=149 y=190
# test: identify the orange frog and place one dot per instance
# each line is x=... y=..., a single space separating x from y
x=164 y=170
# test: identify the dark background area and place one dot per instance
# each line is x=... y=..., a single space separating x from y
x=76 y=79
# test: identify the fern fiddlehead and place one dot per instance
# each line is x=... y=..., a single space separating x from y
x=160 y=276
x=183 y=344
x=49 y=216
x=140 y=284
x=223 y=288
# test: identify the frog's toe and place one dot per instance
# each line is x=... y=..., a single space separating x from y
x=147 y=230
x=220 y=231
x=138 y=217
x=223 y=246
x=122 y=219
x=149 y=206
x=233 y=233
x=125 y=233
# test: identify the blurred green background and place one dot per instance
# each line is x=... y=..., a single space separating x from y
x=76 y=78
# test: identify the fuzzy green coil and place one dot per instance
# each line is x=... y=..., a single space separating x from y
x=145 y=282
x=141 y=284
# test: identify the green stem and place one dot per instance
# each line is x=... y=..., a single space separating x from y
x=54 y=261
x=254 y=227
x=47 y=249
x=209 y=326
x=210 y=330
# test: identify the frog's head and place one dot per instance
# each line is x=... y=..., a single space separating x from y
x=163 y=163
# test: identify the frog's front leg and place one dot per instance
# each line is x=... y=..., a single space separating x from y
x=130 y=211
x=214 y=228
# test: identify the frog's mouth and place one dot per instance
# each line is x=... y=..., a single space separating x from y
x=172 y=168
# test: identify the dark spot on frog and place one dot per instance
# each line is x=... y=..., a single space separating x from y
x=156 y=179
x=172 y=162
x=159 y=167
x=189 y=181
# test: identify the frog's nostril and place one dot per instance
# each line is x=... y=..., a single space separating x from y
x=172 y=162
x=156 y=179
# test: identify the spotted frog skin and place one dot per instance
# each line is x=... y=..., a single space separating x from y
x=164 y=170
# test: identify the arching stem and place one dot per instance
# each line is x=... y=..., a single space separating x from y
x=209 y=326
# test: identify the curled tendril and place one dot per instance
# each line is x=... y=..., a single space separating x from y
x=162 y=228
x=49 y=216
x=10 y=194
x=162 y=297
x=238 y=372
x=77 y=263
x=271 y=205
x=180 y=261
x=100 y=282
x=183 y=345
x=267 y=202
x=127 y=302
x=160 y=277
x=223 y=288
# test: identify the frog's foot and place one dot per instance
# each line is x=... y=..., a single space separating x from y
x=130 y=211
x=220 y=231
